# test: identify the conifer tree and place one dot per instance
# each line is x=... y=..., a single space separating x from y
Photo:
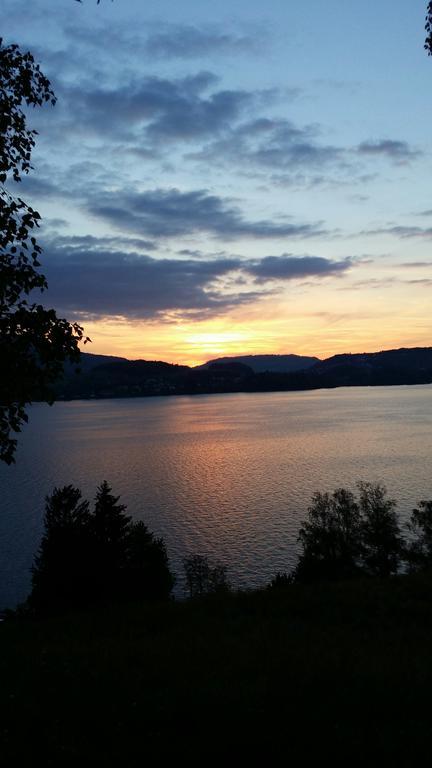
x=61 y=575
x=110 y=526
x=147 y=573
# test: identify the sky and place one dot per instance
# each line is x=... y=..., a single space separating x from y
x=239 y=177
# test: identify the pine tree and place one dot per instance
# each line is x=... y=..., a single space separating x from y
x=147 y=574
x=110 y=525
x=61 y=575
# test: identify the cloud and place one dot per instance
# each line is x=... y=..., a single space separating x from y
x=165 y=40
x=398 y=151
x=401 y=231
x=414 y=264
x=99 y=281
x=170 y=212
x=271 y=143
x=289 y=267
x=92 y=243
x=184 y=41
x=156 y=109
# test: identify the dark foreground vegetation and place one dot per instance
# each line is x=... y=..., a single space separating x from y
x=341 y=671
x=332 y=662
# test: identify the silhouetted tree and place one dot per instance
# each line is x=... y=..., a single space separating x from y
x=381 y=539
x=203 y=578
x=419 y=548
x=34 y=342
x=344 y=537
x=88 y=557
x=331 y=538
x=110 y=526
x=62 y=572
x=147 y=574
x=428 y=27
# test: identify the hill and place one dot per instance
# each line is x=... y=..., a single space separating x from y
x=272 y=363
x=393 y=366
x=89 y=361
x=116 y=377
x=138 y=378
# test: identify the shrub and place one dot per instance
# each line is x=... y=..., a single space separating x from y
x=202 y=578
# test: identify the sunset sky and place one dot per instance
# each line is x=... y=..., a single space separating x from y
x=233 y=177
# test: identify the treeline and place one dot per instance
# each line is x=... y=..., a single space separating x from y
x=97 y=555
x=141 y=378
x=347 y=536
x=90 y=556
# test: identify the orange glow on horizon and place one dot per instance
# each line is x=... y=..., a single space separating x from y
x=306 y=320
x=315 y=335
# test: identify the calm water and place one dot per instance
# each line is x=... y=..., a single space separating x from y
x=230 y=476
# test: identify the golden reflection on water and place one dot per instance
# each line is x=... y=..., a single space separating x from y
x=225 y=475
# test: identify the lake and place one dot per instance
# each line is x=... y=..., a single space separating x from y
x=229 y=476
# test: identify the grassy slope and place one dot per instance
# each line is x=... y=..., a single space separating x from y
x=343 y=671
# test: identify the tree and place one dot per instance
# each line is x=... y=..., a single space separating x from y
x=110 y=526
x=147 y=575
x=62 y=572
x=428 y=27
x=88 y=557
x=345 y=537
x=419 y=549
x=380 y=532
x=331 y=538
x=202 y=578
x=34 y=342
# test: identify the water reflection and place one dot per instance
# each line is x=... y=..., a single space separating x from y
x=225 y=475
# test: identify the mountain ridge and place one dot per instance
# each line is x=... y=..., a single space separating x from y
x=119 y=377
x=261 y=363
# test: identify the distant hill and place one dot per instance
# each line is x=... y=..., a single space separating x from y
x=105 y=377
x=393 y=366
x=89 y=361
x=271 y=363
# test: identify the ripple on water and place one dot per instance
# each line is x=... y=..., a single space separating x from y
x=230 y=476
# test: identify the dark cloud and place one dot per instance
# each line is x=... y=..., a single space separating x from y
x=399 y=151
x=157 y=109
x=186 y=42
x=114 y=283
x=169 y=213
x=414 y=264
x=404 y=232
x=101 y=282
x=289 y=267
x=271 y=143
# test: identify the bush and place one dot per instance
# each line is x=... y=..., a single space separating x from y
x=280 y=580
x=202 y=578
